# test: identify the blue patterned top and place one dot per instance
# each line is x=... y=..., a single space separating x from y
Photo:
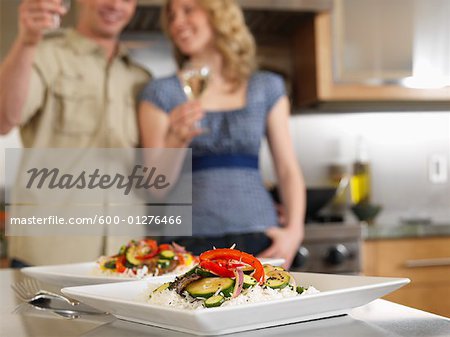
x=227 y=198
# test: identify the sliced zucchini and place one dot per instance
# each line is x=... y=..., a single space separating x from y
x=162 y=287
x=163 y=263
x=204 y=273
x=167 y=255
x=249 y=281
x=214 y=301
x=248 y=270
x=268 y=268
x=277 y=279
x=209 y=286
x=278 y=268
x=131 y=256
x=190 y=271
x=300 y=289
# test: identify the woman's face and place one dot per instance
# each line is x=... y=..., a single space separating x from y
x=189 y=27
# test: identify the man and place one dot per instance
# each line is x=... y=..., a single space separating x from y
x=69 y=89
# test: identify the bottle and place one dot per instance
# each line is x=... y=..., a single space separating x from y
x=360 y=181
x=337 y=175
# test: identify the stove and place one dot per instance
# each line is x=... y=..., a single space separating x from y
x=333 y=248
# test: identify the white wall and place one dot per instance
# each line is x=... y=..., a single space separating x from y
x=400 y=146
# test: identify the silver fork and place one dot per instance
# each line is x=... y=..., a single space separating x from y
x=29 y=291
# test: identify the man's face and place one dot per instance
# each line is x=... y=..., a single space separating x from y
x=106 y=18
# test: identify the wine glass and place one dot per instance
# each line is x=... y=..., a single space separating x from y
x=57 y=18
x=195 y=78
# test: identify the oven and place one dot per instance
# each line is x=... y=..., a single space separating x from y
x=333 y=248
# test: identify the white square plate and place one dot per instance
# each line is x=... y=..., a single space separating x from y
x=339 y=294
x=78 y=274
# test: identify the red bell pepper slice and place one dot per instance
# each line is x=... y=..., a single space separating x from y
x=120 y=264
x=229 y=264
x=145 y=257
x=165 y=246
x=180 y=259
x=153 y=247
x=216 y=269
x=237 y=255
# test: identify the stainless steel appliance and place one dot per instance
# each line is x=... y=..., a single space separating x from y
x=330 y=245
x=330 y=248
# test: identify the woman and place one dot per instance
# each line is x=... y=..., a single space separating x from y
x=239 y=107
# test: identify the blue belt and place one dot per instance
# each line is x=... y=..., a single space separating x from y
x=224 y=161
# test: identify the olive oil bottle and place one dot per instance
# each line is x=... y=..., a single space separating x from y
x=360 y=188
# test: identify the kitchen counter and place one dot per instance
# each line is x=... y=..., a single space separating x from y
x=379 y=232
x=376 y=319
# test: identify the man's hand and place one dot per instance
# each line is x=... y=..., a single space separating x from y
x=285 y=244
x=37 y=16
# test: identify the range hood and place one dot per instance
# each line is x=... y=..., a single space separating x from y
x=262 y=16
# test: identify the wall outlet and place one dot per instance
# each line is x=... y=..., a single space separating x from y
x=437 y=169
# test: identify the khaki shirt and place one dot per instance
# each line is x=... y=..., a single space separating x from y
x=77 y=99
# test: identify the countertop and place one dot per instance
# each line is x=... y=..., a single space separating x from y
x=379 y=231
x=376 y=319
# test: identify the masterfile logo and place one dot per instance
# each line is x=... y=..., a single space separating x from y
x=99 y=191
x=141 y=177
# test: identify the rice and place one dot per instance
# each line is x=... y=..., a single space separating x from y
x=140 y=273
x=170 y=298
x=254 y=294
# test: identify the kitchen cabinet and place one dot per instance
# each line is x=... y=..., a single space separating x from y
x=426 y=261
x=317 y=73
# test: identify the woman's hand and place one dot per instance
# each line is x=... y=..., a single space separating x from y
x=183 y=123
x=285 y=244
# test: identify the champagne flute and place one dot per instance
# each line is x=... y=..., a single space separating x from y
x=195 y=78
x=57 y=18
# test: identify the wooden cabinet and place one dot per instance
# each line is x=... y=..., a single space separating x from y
x=315 y=76
x=426 y=261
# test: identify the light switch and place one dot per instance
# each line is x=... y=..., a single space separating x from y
x=437 y=169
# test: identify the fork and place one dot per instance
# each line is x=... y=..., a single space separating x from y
x=29 y=291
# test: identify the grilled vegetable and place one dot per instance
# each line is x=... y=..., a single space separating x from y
x=203 y=272
x=249 y=281
x=277 y=279
x=232 y=255
x=163 y=263
x=209 y=286
x=162 y=287
x=183 y=281
x=300 y=289
x=120 y=264
x=248 y=270
x=131 y=256
x=167 y=255
x=110 y=264
x=214 y=301
x=268 y=268
x=216 y=269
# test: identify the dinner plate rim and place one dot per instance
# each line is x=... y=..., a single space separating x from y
x=336 y=298
x=389 y=281
x=51 y=271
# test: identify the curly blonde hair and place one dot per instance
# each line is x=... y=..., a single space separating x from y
x=232 y=38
